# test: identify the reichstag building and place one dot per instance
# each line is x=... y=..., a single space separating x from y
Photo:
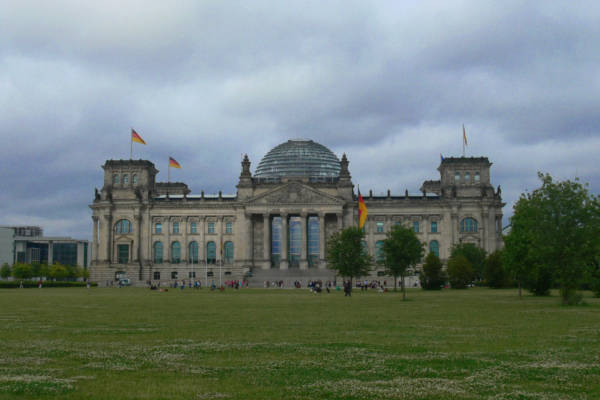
x=277 y=224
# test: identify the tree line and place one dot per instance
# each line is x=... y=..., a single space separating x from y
x=554 y=242
x=55 y=271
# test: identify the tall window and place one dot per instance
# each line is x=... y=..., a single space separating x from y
x=123 y=226
x=211 y=227
x=313 y=241
x=193 y=227
x=211 y=253
x=379 y=227
x=175 y=227
x=433 y=226
x=456 y=177
x=275 y=242
x=434 y=247
x=157 y=275
x=416 y=226
x=193 y=252
x=379 y=255
x=158 y=227
x=158 y=252
x=125 y=179
x=115 y=179
x=134 y=180
x=365 y=246
x=467 y=177
x=175 y=253
x=228 y=253
x=173 y=274
x=295 y=241
x=477 y=177
x=229 y=227
x=468 y=225
x=123 y=253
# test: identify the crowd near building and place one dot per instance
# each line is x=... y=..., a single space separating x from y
x=277 y=224
x=28 y=245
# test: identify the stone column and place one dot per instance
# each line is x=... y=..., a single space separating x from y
x=220 y=251
x=322 y=240
x=108 y=245
x=340 y=221
x=249 y=241
x=185 y=257
x=304 y=247
x=136 y=254
x=167 y=246
x=266 y=241
x=95 y=246
x=454 y=227
x=284 y=242
x=201 y=244
x=50 y=252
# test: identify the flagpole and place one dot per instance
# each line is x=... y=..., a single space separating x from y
x=358 y=203
x=131 y=149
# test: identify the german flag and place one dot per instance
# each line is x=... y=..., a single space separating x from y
x=362 y=211
x=173 y=163
x=135 y=137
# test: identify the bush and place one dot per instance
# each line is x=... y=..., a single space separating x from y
x=460 y=272
x=539 y=279
x=5 y=271
x=493 y=271
x=432 y=276
x=46 y=284
x=475 y=255
x=22 y=271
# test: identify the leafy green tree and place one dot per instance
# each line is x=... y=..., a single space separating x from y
x=555 y=236
x=5 y=271
x=58 y=272
x=475 y=255
x=45 y=271
x=493 y=271
x=432 y=276
x=346 y=255
x=460 y=272
x=36 y=269
x=401 y=250
x=22 y=271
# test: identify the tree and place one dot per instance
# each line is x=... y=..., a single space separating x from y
x=58 y=272
x=460 y=272
x=22 y=271
x=555 y=236
x=346 y=255
x=432 y=276
x=493 y=271
x=401 y=250
x=5 y=271
x=475 y=255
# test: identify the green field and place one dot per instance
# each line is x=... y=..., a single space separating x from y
x=269 y=344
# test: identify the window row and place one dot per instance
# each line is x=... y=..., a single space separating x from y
x=211 y=253
x=416 y=226
x=193 y=227
x=191 y=274
x=124 y=179
x=466 y=177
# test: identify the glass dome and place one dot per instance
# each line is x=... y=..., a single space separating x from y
x=299 y=157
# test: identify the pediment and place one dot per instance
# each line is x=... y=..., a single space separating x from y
x=294 y=193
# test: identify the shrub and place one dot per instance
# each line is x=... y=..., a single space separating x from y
x=432 y=276
x=5 y=271
x=22 y=271
x=46 y=284
x=460 y=272
x=493 y=271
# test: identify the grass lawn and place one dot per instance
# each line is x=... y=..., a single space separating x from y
x=135 y=343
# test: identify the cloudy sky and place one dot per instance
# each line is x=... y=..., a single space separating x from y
x=388 y=83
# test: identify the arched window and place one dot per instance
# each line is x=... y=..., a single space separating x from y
x=115 y=179
x=175 y=253
x=211 y=253
x=456 y=177
x=379 y=255
x=468 y=225
x=123 y=226
x=134 y=179
x=477 y=177
x=228 y=253
x=434 y=247
x=193 y=252
x=125 y=179
x=467 y=177
x=158 y=252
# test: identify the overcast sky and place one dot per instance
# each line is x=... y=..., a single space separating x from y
x=388 y=83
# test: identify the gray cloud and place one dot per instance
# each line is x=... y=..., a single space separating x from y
x=388 y=83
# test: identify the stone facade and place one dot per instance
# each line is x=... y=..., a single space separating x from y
x=150 y=231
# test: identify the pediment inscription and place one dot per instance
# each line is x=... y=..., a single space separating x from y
x=295 y=193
